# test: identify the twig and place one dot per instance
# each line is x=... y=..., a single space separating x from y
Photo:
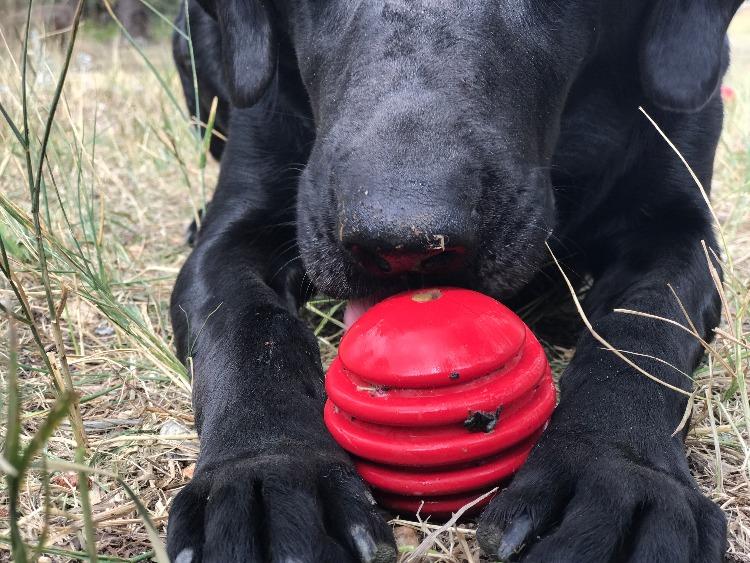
x=424 y=547
x=695 y=179
x=725 y=334
x=697 y=336
x=601 y=339
x=712 y=422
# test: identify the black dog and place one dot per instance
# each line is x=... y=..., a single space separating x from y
x=385 y=144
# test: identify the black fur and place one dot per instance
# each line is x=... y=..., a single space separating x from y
x=363 y=131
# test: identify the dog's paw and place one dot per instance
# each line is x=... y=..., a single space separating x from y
x=278 y=508
x=581 y=500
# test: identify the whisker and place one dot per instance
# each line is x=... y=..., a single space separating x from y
x=284 y=265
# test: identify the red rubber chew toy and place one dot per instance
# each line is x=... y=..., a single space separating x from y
x=439 y=394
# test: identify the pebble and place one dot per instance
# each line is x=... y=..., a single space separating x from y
x=104 y=330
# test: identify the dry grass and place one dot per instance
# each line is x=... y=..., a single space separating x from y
x=127 y=168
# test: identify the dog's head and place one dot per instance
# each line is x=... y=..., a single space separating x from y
x=437 y=121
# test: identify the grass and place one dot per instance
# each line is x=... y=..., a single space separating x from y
x=98 y=432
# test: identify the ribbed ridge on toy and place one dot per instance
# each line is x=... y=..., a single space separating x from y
x=440 y=395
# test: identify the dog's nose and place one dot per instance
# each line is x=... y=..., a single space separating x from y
x=389 y=236
x=389 y=262
x=403 y=245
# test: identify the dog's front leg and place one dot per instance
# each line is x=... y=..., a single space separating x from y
x=609 y=481
x=270 y=483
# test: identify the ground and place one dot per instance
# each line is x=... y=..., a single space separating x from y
x=123 y=175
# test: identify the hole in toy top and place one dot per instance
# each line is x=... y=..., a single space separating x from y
x=427 y=296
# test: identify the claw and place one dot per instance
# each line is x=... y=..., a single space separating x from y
x=514 y=537
x=369 y=551
x=185 y=556
x=364 y=542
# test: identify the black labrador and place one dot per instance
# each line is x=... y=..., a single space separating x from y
x=378 y=145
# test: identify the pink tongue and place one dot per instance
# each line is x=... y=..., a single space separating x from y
x=355 y=308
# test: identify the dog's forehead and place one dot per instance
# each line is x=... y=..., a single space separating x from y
x=459 y=46
x=515 y=12
x=535 y=21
